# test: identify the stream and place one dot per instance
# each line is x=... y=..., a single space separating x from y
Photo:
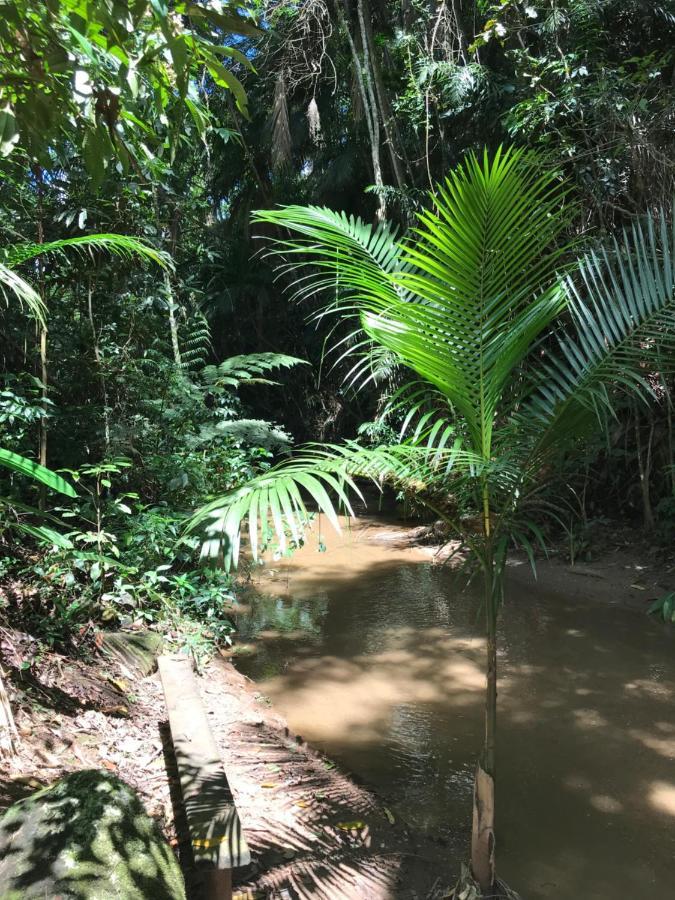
x=374 y=654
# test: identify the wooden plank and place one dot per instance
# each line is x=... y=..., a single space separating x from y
x=215 y=829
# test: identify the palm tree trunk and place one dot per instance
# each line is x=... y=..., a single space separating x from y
x=483 y=831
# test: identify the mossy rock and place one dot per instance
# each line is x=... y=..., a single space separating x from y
x=87 y=837
x=137 y=650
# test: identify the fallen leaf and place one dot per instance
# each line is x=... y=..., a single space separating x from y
x=390 y=816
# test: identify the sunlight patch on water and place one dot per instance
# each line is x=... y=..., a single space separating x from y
x=662 y=797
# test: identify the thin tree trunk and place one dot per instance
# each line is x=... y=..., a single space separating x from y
x=669 y=426
x=645 y=470
x=369 y=106
x=392 y=135
x=8 y=732
x=42 y=341
x=99 y=363
x=172 y=235
x=173 y=323
x=483 y=830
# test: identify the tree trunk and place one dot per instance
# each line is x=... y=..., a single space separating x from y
x=370 y=110
x=42 y=333
x=645 y=470
x=483 y=830
x=173 y=323
x=99 y=364
x=392 y=136
x=170 y=234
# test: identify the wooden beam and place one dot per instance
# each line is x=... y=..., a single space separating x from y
x=218 y=843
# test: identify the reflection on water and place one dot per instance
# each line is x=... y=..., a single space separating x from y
x=376 y=655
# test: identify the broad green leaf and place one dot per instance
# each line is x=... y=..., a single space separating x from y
x=34 y=470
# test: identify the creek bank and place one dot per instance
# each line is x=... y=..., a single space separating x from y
x=313 y=832
x=621 y=567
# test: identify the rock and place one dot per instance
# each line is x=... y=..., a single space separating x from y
x=136 y=650
x=87 y=837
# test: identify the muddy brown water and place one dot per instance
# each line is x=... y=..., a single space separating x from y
x=374 y=654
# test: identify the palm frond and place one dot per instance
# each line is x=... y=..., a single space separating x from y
x=324 y=475
x=17 y=463
x=483 y=269
x=460 y=300
x=22 y=291
x=623 y=308
x=16 y=254
x=118 y=244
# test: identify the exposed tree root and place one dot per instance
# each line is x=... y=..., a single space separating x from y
x=467 y=888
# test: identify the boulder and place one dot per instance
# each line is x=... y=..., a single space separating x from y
x=86 y=837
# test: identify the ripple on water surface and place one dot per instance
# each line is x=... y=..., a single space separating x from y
x=376 y=655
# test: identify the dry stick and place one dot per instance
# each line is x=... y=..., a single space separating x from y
x=669 y=426
x=8 y=733
x=461 y=37
x=644 y=468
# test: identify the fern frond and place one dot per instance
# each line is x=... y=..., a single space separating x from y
x=248 y=369
x=196 y=345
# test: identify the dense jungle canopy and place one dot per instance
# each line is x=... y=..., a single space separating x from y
x=170 y=334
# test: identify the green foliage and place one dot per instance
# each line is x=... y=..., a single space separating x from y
x=664 y=607
x=109 y=75
x=248 y=369
x=17 y=463
x=464 y=301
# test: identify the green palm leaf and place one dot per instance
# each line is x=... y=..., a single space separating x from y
x=460 y=300
x=24 y=293
x=34 y=470
x=15 y=255
x=277 y=501
x=622 y=304
x=118 y=244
